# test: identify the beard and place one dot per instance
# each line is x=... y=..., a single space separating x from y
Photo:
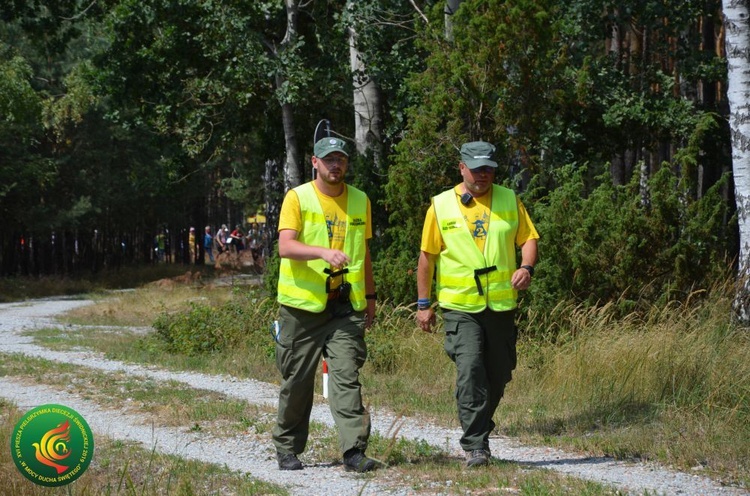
x=332 y=178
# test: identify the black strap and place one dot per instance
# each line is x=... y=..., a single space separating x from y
x=481 y=272
x=331 y=275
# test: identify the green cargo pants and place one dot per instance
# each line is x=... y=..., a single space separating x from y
x=303 y=337
x=483 y=347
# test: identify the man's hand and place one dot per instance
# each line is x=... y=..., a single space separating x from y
x=521 y=279
x=336 y=258
x=426 y=319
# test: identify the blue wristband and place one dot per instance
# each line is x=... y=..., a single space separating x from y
x=423 y=303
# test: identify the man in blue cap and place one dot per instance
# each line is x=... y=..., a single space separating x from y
x=471 y=233
x=326 y=293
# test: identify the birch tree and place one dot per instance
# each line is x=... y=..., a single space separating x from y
x=737 y=40
x=368 y=119
x=292 y=176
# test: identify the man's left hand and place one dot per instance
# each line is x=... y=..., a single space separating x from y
x=521 y=279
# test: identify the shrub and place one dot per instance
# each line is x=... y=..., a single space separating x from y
x=204 y=329
x=603 y=243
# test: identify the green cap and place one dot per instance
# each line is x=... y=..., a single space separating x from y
x=329 y=145
x=477 y=154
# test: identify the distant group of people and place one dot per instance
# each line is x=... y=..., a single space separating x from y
x=326 y=293
x=224 y=241
x=235 y=241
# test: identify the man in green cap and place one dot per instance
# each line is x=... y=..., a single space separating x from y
x=327 y=296
x=471 y=232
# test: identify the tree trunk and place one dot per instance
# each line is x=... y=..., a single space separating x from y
x=451 y=6
x=274 y=193
x=292 y=176
x=368 y=120
x=736 y=15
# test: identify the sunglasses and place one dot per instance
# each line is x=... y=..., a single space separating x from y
x=329 y=160
x=485 y=169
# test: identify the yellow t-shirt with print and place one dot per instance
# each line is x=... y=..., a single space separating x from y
x=334 y=210
x=477 y=217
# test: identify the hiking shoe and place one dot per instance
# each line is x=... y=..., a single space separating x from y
x=356 y=461
x=476 y=458
x=288 y=461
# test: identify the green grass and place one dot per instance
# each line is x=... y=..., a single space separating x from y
x=167 y=403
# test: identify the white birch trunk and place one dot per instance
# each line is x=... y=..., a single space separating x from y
x=367 y=115
x=737 y=25
x=451 y=6
x=292 y=177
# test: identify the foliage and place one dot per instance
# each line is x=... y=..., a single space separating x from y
x=602 y=243
x=124 y=116
x=271 y=272
x=397 y=276
x=205 y=329
x=494 y=82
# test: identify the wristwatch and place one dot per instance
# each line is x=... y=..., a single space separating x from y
x=529 y=268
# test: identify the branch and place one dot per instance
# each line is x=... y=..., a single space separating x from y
x=419 y=11
x=80 y=14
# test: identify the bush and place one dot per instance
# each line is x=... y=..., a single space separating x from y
x=204 y=329
x=607 y=243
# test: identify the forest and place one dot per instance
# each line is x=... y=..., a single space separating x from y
x=119 y=118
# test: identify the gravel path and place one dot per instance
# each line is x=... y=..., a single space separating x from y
x=248 y=455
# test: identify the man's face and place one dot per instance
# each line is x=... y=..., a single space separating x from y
x=332 y=167
x=477 y=181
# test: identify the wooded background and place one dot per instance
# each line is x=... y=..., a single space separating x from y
x=122 y=117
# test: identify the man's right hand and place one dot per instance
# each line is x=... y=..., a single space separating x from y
x=336 y=258
x=426 y=319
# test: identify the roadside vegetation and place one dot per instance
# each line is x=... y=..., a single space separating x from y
x=669 y=385
x=15 y=288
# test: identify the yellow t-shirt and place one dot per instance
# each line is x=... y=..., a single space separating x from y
x=334 y=210
x=477 y=216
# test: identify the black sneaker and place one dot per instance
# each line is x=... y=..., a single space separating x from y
x=476 y=458
x=288 y=461
x=356 y=461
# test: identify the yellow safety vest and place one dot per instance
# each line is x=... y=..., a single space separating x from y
x=302 y=283
x=467 y=279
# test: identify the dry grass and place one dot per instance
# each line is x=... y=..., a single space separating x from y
x=670 y=386
x=141 y=307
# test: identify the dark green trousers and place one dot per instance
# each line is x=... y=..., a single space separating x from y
x=483 y=347
x=304 y=336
